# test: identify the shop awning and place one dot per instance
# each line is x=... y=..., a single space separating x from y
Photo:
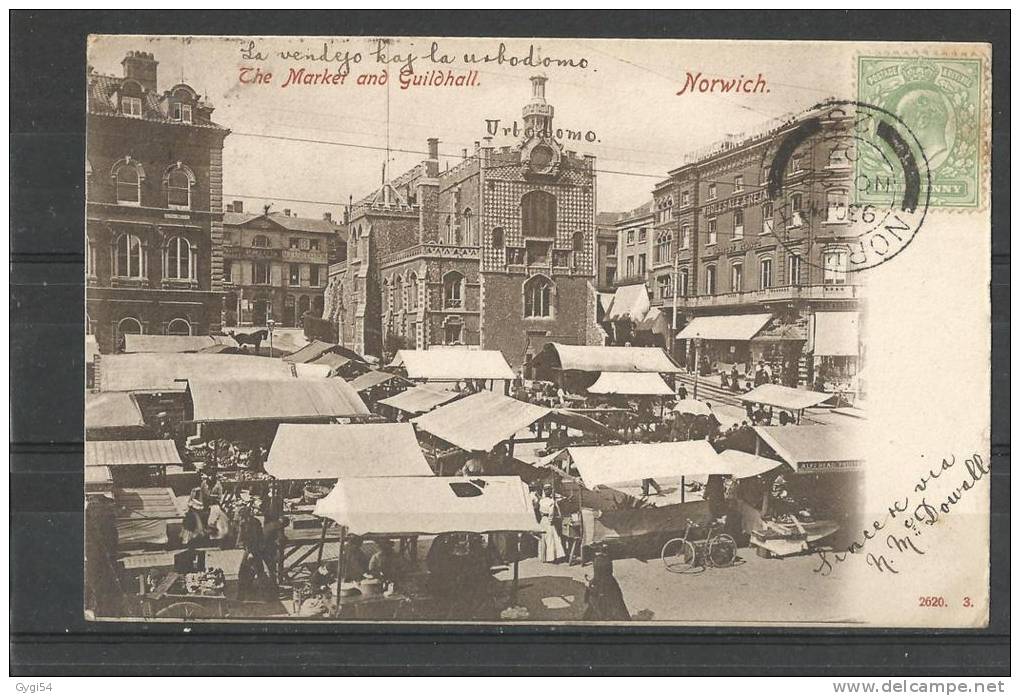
x=143 y=513
x=743 y=465
x=604 y=358
x=479 y=422
x=419 y=505
x=453 y=364
x=735 y=327
x=98 y=479
x=836 y=334
x=112 y=410
x=815 y=448
x=631 y=384
x=630 y=302
x=784 y=397
x=310 y=452
x=162 y=372
x=372 y=379
x=131 y=453
x=217 y=400
x=420 y=399
x=146 y=343
x=615 y=464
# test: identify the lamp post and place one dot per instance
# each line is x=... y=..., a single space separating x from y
x=697 y=363
x=269 y=325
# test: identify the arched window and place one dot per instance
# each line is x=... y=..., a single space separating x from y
x=129 y=325
x=765 y=273
x=664 y=246
x=387 y=295
x=412 y=292
x=538 y=214
x=178 y=327
x=449 y=236
x=128 y=178
x=260 y=241
x=398 y=294
x=683 y=282
x=129 y=259
x=738 y=224
x=577 y=241
x=737 y=277
x=469 y=228
x=538 y=297
x=710 y=280
x=453 y=290
x=352 y=246
x=90 y=258
x=497 y=238
x=178 y=262
x=178 y=181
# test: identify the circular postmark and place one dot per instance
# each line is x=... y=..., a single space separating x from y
x=862 y=217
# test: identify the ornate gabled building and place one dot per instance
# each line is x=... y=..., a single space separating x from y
x=496 y=252
x=154 y=220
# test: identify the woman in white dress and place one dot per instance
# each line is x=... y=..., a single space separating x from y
x=550 y=546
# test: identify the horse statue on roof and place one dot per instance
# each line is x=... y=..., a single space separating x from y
x=254 y=338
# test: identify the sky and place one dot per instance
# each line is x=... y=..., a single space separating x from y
x=626 y=95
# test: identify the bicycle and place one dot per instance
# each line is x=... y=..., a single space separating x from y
x=687 y=555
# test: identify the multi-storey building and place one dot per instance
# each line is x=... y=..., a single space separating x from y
x=154 y=221
x=720 y=247
x=275 y=265
x=496 y=252
x=606 y=246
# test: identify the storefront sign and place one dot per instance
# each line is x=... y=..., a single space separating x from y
x=828 y=466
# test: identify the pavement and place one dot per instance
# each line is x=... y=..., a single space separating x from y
x=752 y=591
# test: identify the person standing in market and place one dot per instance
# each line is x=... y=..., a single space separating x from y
x=603 y=598
x=550 y=546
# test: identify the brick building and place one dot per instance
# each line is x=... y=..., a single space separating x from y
x=275 y=264
x=154 y=222
x=714 y=236
x=496 y=252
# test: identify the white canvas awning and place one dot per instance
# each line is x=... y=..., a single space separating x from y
x=419 y=505
x=631 y=384
x=743 y=465
x=150 y=343
x=836 y=334
x=735 y=327
x=453 y=364
x=630 y=302
x=216 y=400
x=784 y=397
x=604 y=358
x=615 y=464
x=420 y=399
x=815 y=448
x=479 y=422
x=161 y=372
x=309 y=452
x=693 y=406
x=131 y=453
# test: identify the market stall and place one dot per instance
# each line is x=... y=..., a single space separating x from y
x=375 y=385
x=795 y=401
x=135 y=463
x=309 y=459
x=454 y=510
x=576 y=368
x=622 y=519
x=815 y=497
x=420 y=399
x=114 y=416
x=480 y=368
x=170 y=372
x=153 y=343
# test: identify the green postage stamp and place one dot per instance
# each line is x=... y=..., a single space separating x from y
x=940 y=101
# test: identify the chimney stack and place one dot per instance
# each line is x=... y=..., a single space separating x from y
x=238 y=207
x=432 y=163
x=463 y=153
x=141 y=67
x=327 y=216
x=433 y=148
x=286 y=212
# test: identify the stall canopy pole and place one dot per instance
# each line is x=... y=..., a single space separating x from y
x=683 y=489
x=340 y=569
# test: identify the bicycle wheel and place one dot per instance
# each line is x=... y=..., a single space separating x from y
x=679 y=555
x=722 y=550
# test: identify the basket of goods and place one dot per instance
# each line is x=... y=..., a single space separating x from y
x=209 y=582
x=313 y=492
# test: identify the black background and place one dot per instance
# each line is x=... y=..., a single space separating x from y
x=48 y=633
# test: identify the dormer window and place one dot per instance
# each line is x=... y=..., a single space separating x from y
x=131 y=106
x=181 y=112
